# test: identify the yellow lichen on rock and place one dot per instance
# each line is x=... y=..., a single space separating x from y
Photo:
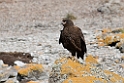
x=101 y=44
x=118 y=45
x=106 y=30
x=121 y=36
x=89 y=72
x=86 y=79
x=108 y=40
x=30 y=68
x=109 y=37
x=113 y=38
x=9 y=81
x=74 y=68
x=78 y=72
x=17 y=67
x=113 y=76
x=91 y=59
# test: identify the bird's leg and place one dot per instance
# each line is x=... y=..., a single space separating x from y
x=72 y=58
x=72 y=54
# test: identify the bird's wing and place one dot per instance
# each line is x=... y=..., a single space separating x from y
x=73 y=43
x=75 y=30
x=83 y=45
x=60 y=38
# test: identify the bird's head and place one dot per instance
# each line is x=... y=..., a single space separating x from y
x=67 y=22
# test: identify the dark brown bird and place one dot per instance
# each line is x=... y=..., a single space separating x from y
x=72 y=39
x=10 y=57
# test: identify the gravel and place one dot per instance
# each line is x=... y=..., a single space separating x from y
x=34 y=26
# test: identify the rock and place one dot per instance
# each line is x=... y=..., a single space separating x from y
x=85 y=32
x=121 y=48
x=33 y=82
x=112 y=38
x=12 y=80
x=121 y=66
x=111 y=6
x=104 y=9
x=67 y=70
x=117 y=61
x=122 y=58
x=35 y=60
x=31 y=72
x=25 y=81
x=32 y=27
x=6 y=73
x=118 y=45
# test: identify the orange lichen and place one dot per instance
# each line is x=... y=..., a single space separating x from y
x=17 y=67
x=118 y=45
x=108 y=40
x=106 y=30
x=86 y=79
x=74 y=68
x=109 y=37
x=113 y=76
x=120 y=35
x=32 y=82
x=101 y=44
x=10 y=81
x=113 y=38
x=85 y=73
x=29 y=68
x=98 y=37
x=91 y=59
x=100 y=40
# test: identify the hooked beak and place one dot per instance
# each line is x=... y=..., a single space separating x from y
x=63 y=23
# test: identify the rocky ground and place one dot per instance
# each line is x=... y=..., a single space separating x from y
x=33 y=26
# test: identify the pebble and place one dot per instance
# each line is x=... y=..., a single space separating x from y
x=122 y=48
x=1 y=63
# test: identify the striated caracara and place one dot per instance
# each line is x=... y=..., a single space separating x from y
x=72 y=39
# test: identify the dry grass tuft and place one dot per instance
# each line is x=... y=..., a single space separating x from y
x=70 y=16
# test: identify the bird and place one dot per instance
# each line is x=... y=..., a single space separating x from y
x=72 y=39
x=10 y=57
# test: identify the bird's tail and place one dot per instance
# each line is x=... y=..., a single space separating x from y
x=80 y=54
